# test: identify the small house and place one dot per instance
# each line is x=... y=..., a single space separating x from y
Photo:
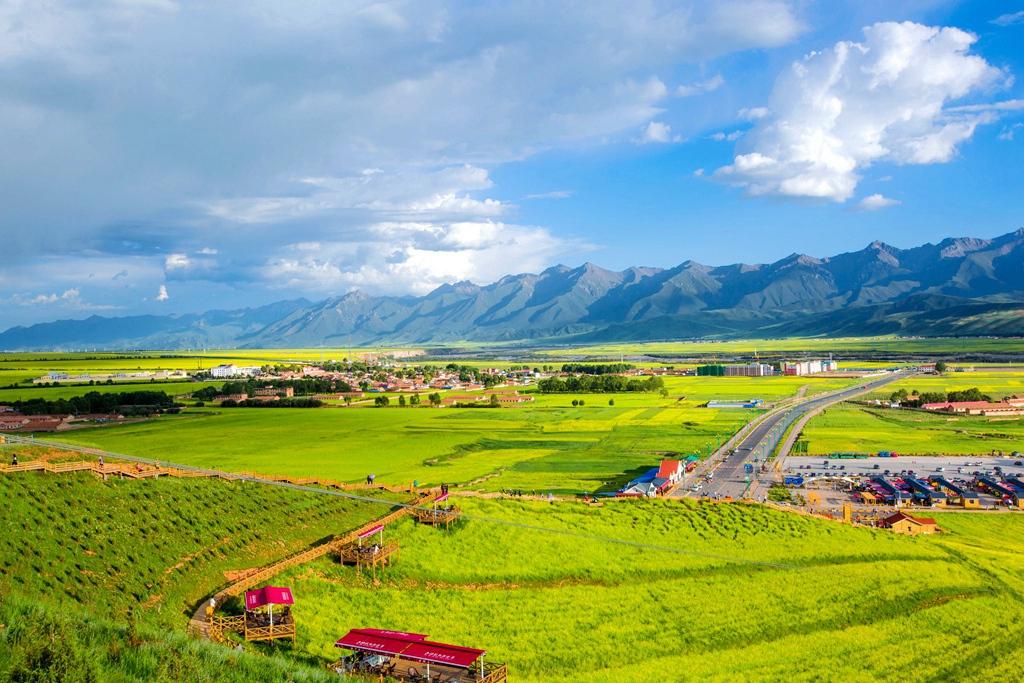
x=902 y=523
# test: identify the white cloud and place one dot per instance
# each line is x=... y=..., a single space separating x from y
x=1008 y=132
x=698 y=173
x=700 y=87
x=68 y=296
x=1005 y=105
x=554 y=194
x=162 y=294
x=177 y=262
x=753 y=113
x=730 y=137
x=440 y=192
x=69 y=300
x=1009 y=19
x=658 y=132
x=417 y=257
x=874 y=202
x=837 y=111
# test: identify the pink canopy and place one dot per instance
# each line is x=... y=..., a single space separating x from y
x=441 y=653
x=442 y=498
x=412 y=646
x=357 y=640
x=377 y=528
x=396 y=635
x=268 y=595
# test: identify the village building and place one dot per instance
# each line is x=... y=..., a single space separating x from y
x=230 y=370
x=902 y=523
x=274 y=392
x=1011 y=407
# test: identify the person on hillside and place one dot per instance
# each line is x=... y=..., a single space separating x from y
x=101 y=461
x=14 y=459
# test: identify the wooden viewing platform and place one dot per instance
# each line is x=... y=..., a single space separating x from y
x=252 y=626
x=437 y=516
x=399 y=669
x=401 y=656
x=372 y=556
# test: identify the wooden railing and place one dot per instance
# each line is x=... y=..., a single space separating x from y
x=270 y=632
x=496 y=675
x=334 y=545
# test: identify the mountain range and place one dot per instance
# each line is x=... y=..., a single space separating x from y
x=960 y=286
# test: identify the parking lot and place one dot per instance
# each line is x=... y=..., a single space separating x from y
x=834 y=478
x=964 y=466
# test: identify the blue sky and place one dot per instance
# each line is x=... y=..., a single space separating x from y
x=164 y=157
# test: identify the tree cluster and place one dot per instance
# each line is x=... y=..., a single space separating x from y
x=915 y=399
x=128 y=403
x=596 y=368
x=598 y=384
x=279 y=403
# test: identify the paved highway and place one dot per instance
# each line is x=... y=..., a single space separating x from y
x=729 y=478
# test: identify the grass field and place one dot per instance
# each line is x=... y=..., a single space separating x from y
x=159 y=547
x=546 y=446
x=724 y=592
x=851 y=427
x=839 y=345
x=98 y=579
x=996 y=384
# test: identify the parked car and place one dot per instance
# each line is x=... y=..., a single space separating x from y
x=877 y=466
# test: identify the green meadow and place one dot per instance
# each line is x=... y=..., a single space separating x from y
x=996 y=383
x=838 y=345
x=643 y=591
x=852 y=427
x=120 y=546
x=546 y=445
x=98 y=579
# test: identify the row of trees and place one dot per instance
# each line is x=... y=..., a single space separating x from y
x=129 y=403
x=279 y=403
x=596 y=368
x=413 y=400
x=915 y=399
x=598 y=384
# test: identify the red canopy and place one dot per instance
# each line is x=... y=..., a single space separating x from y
x=356 y=640
x=268 y=595
x=396 y=635
x=412 y=646
x=440 y=653
x=377 y=528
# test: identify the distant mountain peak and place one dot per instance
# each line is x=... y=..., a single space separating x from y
x=964 y=282
x=955 y=247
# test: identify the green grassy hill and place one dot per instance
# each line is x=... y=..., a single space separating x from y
x=851 y=427
x=154 y=548
x=98 y=580
x=43 y=644
x=709 y=592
